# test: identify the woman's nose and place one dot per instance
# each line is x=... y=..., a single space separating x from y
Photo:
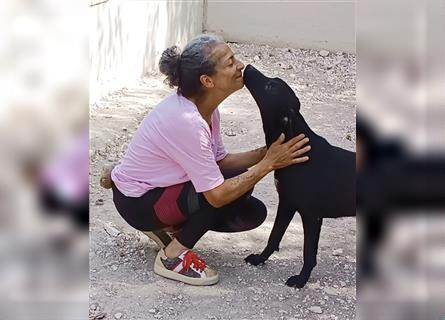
x=240 y=65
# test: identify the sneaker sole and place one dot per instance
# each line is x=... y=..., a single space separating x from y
x=160 y=237
x=179 y=277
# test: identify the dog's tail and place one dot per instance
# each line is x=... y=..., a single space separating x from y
x=105 y=176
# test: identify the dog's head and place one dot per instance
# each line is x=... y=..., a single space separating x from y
x=278 y=104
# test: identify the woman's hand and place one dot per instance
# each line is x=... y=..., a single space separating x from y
x=280 y=155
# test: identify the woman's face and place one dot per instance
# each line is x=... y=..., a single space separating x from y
x=228 y=76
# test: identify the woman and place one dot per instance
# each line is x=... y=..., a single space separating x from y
x=176 y=173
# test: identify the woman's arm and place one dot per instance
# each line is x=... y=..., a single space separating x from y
x=279 y=155
x=243 y=159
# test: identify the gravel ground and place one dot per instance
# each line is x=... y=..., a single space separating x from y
x=122 y=282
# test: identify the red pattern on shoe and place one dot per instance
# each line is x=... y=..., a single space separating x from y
x=189 y=258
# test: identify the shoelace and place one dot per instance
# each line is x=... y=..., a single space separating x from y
x=190 y=258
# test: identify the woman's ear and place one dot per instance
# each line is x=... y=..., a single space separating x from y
x=206 y=81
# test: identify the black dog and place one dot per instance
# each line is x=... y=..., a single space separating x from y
x=323 y=187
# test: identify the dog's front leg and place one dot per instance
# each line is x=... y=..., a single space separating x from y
x=312 y=227
x=284 y=216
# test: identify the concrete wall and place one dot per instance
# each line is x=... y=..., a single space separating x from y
x=128 y=36
x=327 y=24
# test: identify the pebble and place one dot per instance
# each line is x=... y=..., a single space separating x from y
x=256 y=58
x=100 y=315
x=118 y=315
x=315 y=309
x=230 y=133
x=99 y=202
x=112 y=231
x=330 y=291
x=114 y=267
x=337 y=252
x=152 y=310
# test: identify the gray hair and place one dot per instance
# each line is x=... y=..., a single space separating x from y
x=183 y=70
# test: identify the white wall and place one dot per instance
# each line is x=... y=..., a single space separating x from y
x=128 y=36
x=327 y=24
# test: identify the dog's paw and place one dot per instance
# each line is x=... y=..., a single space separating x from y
x=255 y=259
x=296 y=281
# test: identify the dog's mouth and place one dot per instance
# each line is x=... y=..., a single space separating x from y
x=251 y=75
x=247 y=74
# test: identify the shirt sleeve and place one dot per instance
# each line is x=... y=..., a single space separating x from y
x=192 y=150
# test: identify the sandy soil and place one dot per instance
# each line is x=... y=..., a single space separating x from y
x=122 y=282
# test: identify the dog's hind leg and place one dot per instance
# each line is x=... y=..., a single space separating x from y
x=282 y=220
x=312 y=227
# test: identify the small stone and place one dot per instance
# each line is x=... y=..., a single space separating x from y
x=330 y=291
x=99 y=202
x=112 y=231
x=124 y=129
x=230 y=133
x=343 y=284
x=180 y=297
x=324 y=53
x=337 y=252
x=100 y=315
x=114 y=267
x=315 y=309
x=256 y=58
x=118 y=315
x=152 y=310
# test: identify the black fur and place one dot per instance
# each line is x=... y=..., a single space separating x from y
x=323 y=187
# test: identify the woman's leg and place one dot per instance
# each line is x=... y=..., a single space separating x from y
x=245 y=214
x=139 y=212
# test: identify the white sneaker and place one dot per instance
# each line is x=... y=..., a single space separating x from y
x=187 y=268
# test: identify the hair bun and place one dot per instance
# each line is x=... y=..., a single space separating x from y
x=168 y=65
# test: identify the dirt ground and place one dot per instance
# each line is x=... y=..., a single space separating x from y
x=122 y=282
